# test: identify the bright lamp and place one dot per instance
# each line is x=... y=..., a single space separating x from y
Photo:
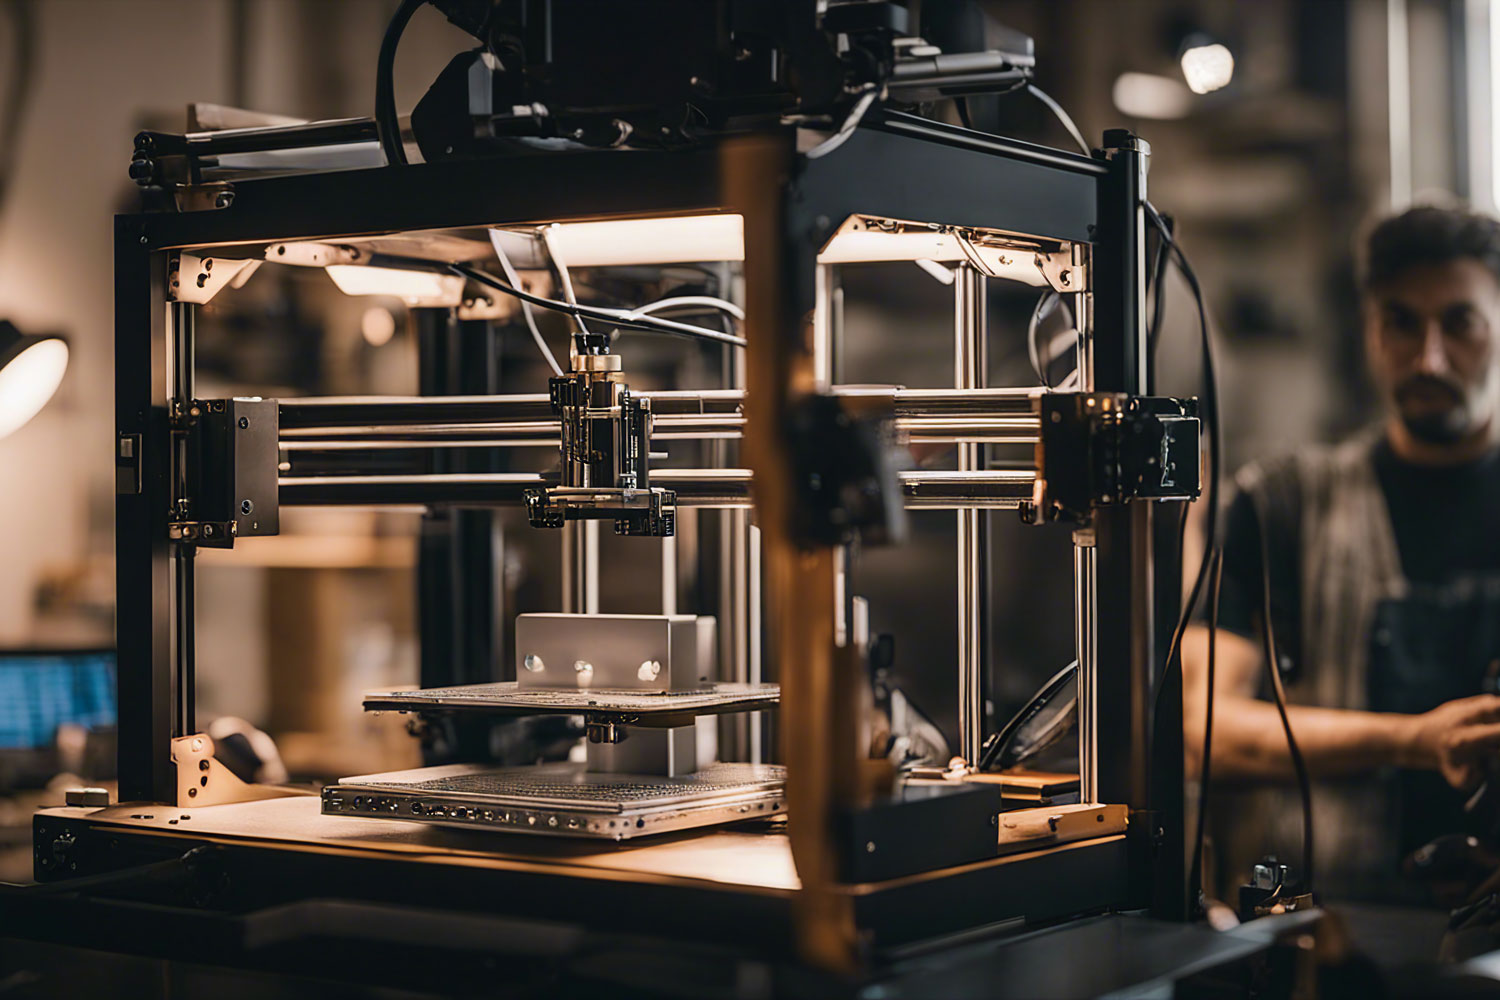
x=31 y=369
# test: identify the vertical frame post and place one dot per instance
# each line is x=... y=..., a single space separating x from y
x=460 y=598
x=817 y=714
x=143 y=500
x=184 y=577
x=739 y=585
x=1124 y=536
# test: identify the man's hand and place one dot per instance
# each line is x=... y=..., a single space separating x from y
x=1457 y=738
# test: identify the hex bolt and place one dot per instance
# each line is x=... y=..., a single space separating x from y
x=649 y=671
x=534 y=663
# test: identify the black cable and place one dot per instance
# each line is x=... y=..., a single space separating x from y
x=387 y=124
x=962 y=106
x=1212 y=555
x=1159 y=296
x=1184 y=617
x=1211 y=399
x=121 y=876
x=1273 y=664
x=645 y=323
x=1206 y=768
x=1211 y=417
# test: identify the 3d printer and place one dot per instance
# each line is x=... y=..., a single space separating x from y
x=781 y=154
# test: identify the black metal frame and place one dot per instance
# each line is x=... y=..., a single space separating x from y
x=904 y=168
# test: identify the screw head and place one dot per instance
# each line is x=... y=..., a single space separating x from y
x=534 y=663
x=649 y=670
x=244 y=423
x=246 y=506
x=583 y=667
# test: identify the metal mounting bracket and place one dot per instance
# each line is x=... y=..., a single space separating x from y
x=203 y=781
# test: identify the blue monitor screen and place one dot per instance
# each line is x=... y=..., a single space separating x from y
x=43 y=690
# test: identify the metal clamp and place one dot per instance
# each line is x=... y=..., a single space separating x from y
x=228 y=456
x=1099 y=449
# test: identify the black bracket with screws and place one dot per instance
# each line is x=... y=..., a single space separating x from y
x=230 y=471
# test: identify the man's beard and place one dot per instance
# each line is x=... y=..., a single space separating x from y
x=1444 y=426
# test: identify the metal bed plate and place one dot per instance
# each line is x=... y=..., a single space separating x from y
x=563 y=799
x=505 y=697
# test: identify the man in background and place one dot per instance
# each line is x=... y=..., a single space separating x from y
x=1383 y=555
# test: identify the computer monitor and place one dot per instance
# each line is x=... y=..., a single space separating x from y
x=47 y=691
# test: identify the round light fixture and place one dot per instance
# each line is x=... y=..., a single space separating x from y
x=1207 y=65
x=31 y=369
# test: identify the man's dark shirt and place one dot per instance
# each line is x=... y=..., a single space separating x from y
x=1439 y=643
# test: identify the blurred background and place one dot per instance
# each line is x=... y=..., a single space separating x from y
x=1337 y=111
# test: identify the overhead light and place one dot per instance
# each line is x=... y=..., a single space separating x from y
x=687 y=239
x=31 y=369
x=1148 y=95
x=1207 y=65
x=858 y=242
x=415 y=288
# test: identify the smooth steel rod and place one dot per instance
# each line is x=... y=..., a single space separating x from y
x=353 y=414
x=530 y=433
x=969 y=364
x=1086 y=631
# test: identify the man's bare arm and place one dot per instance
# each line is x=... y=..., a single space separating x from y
x=1249 y=742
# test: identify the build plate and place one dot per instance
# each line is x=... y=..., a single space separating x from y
x=505 y=697
x=563 y=799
